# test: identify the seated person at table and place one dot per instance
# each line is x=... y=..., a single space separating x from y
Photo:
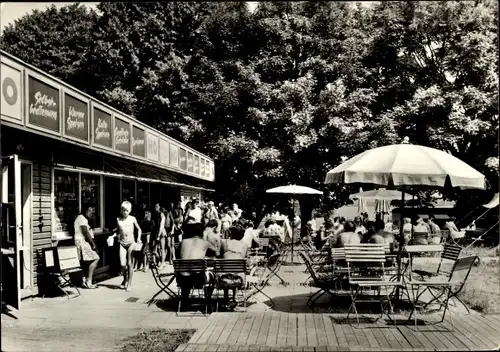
x=210 y=235
x=435 y=230
x=348 y=236
x=407 y=228
x=251 y=237
x=420 y=232
x=234 y=248
x=359 y=223
x=325 y=233
x=193 y=246
x=454 y=233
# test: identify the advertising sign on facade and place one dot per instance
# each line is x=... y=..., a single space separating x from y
x=196 y=168
x=10 y=103
x=174 y=155
x=153 y=147
x=190 y=162
x=183 y=159
x=122 y=136
x=76 y=118
x=164 y=151
x=138 y=142
x=103 y=131
x=43 y=105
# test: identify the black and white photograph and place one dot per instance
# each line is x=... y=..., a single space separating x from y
x=250 y=176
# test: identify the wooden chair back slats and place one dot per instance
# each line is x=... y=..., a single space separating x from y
x=366 y=253
x=190 y=265
x=230 y=266
x=451 y=252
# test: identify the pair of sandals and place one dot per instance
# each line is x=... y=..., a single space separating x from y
x=86 y=285
x=125 y=286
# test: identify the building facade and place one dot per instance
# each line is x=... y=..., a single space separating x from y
x=63 y=150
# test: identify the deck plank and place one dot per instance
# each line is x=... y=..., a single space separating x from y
x=400 y=338
x=449 y=339
x=233 y=318
x=282 y=329
x=245 y=331
x=467 y=330
x=291 y=332
x=381 y=339
x=464 y=338
x=387 y=332
x=341 y=338
x=410 y=337
x=330 y=332
x=272 y=336
x=312 y=339
x=255 y=329
x=370 y=338
x=347 y=329
x=482 y=329
x=493 y=320
x=320 y=330
x=220 y=324
x=301 y=330
x=264 y=329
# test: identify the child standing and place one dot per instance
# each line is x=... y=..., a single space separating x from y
x=126 y=224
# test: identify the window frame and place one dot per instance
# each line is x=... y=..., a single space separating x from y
x=59 y=235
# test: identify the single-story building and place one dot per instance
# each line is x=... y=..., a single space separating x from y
x=63 y=149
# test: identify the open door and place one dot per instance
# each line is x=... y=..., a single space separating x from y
x=11 y=230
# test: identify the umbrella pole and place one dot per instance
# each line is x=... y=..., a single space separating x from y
x=401 y=241
x=293 y=223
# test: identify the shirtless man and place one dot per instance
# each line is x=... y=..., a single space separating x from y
x=195 y=247
x=126 y=224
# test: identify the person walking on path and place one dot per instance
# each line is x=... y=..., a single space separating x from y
x=126 y=224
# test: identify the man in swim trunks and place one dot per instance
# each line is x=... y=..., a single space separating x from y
x=126 y=224
x=195 y=247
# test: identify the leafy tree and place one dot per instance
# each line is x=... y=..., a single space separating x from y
x=56 y=41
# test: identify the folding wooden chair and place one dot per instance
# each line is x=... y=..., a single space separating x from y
x=325 y=283
x=259 y=282
x=60 y=263
x=164 y=287
x=230 y=266
x=366 y=269
x=450 y=287
x=194 y=267
x=450 y=252
x=339 y=268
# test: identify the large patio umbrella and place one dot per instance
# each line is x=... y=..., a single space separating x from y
x=294 y=190
x=404 y=165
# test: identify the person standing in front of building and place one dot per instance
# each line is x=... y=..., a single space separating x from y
x=169 y=230
x=159 y=234
x=85 y=245
x=194 y=215
x=126 y=226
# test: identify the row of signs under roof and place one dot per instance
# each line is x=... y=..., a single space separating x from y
x=33 y=99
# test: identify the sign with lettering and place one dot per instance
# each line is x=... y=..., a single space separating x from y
x=102 y=129
x=153 y=147
x=190 y=162
x=202 y=167
x=122 y=135
x=10 y=103
x=43 y=105
x=196 y=168
x=182 y=159
x=164 y=151
x=174 y=155
x=76 y=118
x=138 y=142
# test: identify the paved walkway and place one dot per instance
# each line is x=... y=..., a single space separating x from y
x=100 y=319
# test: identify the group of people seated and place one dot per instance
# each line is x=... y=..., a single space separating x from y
x=203 y=241
x=338 y=232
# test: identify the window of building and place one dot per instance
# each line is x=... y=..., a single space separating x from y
x=90 y=196
x=66 y=203
x=128 y=193
x=72 y=192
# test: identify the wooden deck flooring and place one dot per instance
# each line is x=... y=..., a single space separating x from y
x=279 y=331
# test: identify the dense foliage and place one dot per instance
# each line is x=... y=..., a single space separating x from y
x=280 y=94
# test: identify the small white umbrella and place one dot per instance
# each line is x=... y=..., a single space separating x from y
x=294 y=190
